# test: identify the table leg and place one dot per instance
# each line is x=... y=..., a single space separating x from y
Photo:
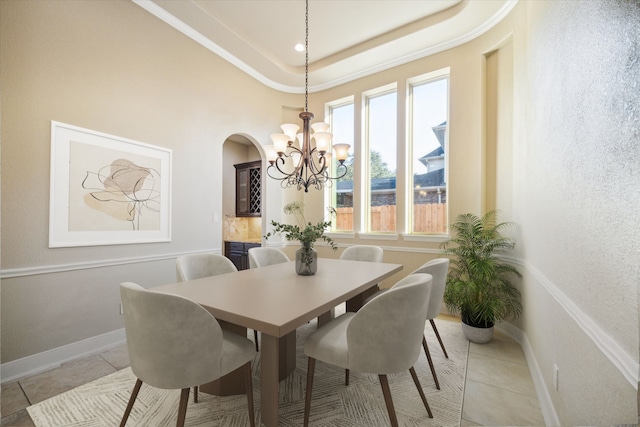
x=277 y=361
x=327 y=317
x=232 y=383
x=354 y=304
x=269 y=379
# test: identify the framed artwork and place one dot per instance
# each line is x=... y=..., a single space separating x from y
x=107 y=190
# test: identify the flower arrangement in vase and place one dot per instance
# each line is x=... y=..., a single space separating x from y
x=307 y=234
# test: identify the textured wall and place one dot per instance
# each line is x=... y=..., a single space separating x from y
x=577 y=199
x=583 y=172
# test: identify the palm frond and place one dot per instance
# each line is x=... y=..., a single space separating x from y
x=479 y=285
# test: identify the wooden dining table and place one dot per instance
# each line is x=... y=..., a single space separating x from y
x=274 y=300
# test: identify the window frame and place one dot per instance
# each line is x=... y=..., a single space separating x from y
x=412 y=83
x=365 y=149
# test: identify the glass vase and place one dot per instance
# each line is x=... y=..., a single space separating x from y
x=306 y=261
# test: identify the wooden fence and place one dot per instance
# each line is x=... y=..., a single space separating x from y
x=427 y=218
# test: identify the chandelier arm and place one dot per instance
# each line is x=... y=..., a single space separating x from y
x=344 y=168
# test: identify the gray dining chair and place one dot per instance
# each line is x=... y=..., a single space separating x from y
x=369 y=253
x=196 y=266
x=175 y=343
x=438 y=268
x=382 y=338
x=261 y=257
x=363 y=253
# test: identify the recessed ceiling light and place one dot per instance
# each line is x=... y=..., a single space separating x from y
x=299 y=47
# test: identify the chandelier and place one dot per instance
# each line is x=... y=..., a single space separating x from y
x=311 y=161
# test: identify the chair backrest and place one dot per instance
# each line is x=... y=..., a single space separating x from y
x=173 y=342
x=385 y=335
x=261 y=257
x=438 y=268
x=195 y=266
x=363 y=253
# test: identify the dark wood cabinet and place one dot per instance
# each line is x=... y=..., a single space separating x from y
x=238 y=252
x=248 y=189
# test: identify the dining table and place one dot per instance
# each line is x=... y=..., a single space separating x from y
x=275 y=300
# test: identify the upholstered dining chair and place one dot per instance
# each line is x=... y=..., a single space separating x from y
x=363 y=253
x=261 y=257
x=368 y=253
x=196 y=266
x=438 y=268
x=382 y=338
x=175 y=343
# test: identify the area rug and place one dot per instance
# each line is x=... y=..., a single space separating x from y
x=101 y=403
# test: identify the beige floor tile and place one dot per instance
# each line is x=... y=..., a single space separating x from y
x=18 y=419
x=467 y=423
x=500 y=347
x=70 y=375
x=501 y=373
x=13 y=398
x=118 y=357
x=492 y=406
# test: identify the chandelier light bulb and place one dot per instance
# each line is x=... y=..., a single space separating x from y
x=271 y=153
x=290 y=130
x=342 y=151
x=323 y=141
x=280 y=142
x=320 y=127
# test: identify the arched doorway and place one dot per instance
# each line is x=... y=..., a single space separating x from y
x=238 y=149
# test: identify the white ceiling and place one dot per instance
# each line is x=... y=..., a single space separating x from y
x=348 y=39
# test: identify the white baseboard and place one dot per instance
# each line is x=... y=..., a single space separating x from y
x=50 y=359
x=546 y=405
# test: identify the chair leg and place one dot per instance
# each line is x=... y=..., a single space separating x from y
x=311 y=366
x=182 y=408
x=132 y=399
x=433 y=325
x=346 y=377
x=428 y=354
x=195 y=394
x=249 y=387
x=387 y=399
x=255 y=338
x=419 y=387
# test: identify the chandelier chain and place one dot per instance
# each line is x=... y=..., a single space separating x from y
x=306 y=61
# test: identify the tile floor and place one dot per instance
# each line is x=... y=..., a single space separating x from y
x=499 y=390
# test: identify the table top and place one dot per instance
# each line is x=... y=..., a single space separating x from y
x=274 y=299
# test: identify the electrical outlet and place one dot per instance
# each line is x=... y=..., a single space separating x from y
x=555 y=376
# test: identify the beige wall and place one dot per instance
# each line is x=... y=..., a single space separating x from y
x=543 y=125
x=112 y=67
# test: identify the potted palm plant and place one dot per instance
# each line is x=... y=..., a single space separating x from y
x=479 y=286
x=307 y=234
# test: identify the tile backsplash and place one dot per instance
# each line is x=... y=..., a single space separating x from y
x=242 y=229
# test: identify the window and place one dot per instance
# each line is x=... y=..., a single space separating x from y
x=428 y=103
x=341 y=120
x=373 y=136
x=381 y=136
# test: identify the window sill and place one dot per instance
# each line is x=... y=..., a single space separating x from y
x=378 y=236
x=438 y=238
x=341 y=234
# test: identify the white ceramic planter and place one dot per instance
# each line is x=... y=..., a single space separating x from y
x=477 y=335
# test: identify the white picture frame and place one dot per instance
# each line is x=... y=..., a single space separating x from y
x=107 y=190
